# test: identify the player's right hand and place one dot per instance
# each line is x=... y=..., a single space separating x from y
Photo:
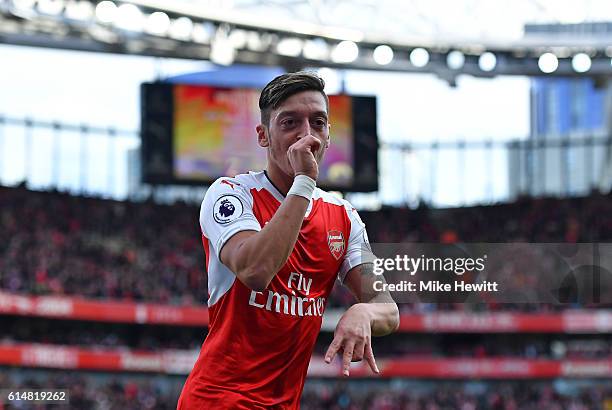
x=301 y=156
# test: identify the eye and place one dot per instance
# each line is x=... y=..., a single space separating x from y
x=320 y=123
x=288 y=123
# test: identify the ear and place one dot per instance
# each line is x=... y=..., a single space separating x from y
x=262 y=136
x=328 y=136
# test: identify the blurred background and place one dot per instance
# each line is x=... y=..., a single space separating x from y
x=452 y=121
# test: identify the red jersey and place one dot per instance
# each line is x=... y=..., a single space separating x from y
x=259 y=344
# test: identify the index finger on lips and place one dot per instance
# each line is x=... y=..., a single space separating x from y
x=307 y=143
x=313 y=142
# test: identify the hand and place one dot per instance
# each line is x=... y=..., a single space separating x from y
x=353 y=337
x=301 y=156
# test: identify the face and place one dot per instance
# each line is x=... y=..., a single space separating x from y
x=301 y=114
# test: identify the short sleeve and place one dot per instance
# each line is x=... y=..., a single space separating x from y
x=358 y=250
x=227 y=209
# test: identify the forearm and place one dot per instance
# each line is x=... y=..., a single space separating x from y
x=263 y=254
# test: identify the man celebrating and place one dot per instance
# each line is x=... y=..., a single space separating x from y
x=274 y=246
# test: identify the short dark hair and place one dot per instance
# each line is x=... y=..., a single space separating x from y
x=286 y=85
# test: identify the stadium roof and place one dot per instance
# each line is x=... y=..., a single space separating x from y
x=442 y=20
x=446 y=37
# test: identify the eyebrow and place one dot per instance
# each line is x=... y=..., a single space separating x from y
x=284 y=114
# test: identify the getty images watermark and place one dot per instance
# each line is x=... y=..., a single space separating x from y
x=411 y=266
x=557 y=273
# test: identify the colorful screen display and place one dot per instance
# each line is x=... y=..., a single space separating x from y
x=214 y=134
x=194 y=134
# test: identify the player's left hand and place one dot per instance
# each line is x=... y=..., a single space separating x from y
x=353 y=337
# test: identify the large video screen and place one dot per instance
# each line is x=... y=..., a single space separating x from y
x=194 y=134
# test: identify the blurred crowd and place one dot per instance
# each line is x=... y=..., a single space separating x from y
x=486 y=345
x=54 y=243
x=506 y=396
x=572 y=220
x=88 y=392
x=126 y=392
x=155 y=338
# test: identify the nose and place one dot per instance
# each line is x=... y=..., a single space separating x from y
x=305 y=129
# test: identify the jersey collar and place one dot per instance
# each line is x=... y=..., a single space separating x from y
x=270 y=187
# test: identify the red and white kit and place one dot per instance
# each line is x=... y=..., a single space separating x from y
x=259 y=344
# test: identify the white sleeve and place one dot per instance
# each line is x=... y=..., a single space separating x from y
x=358 y=251
x=226 y=210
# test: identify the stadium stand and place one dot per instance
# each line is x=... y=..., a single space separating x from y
x=56 y=244
x=104 y=392
x=86 y=284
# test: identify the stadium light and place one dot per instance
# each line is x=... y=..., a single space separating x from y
x=51 y=7
x=548 y=63
x=581 y=63
x=455 y=60
x=203 y=33
x=157 y=23
x=238 y=38
x=106 y=11
x=181 y=28
x=79 y=10
x=383 y=54
x=254 y=42
x=487 y=61
x=316 y=49
x=129 y=18
x=290 y=47
x=419 y=57
x=222 y=50
x=345 y=52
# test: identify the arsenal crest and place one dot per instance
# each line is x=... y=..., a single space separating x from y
x=335 y=240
